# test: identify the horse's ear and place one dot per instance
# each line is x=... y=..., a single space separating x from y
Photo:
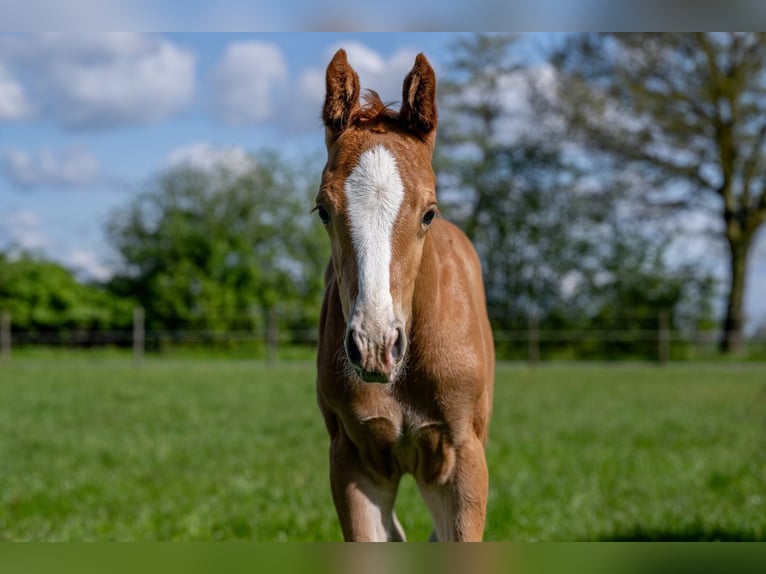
x=418 y=111
x=342 y=96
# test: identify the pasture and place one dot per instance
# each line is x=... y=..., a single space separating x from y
x=94 y=449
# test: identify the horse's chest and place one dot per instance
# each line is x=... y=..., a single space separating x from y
x=393 y=439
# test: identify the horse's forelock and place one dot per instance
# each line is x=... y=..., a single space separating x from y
x=373 y=110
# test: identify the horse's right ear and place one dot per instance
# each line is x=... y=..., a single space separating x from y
x=342 y=96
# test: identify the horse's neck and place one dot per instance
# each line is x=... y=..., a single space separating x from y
x=426 y=294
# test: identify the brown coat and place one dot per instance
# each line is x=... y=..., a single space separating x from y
x=432 y=350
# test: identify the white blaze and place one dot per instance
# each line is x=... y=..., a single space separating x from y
x=374 y=193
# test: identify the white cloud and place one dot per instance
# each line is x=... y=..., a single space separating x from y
x=87 y=263
x=71 y=167
x=22 y=229
x=103 y=80
x=247 y=80
x=209 y=157
x=384 y=75
x=251 y=83
x=311 y=85
x=13 y=101
x=376 y=72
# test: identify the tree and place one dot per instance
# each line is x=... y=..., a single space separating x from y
x=680 y=120
x=43 y=296
x=220 y=249
x=623 y=292
x=506 y=184
x=555 y=242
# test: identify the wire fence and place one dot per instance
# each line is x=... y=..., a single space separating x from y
x=532 y=343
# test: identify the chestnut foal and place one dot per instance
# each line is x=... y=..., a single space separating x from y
x=405 y=363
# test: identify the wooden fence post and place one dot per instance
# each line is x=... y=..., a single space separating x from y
x=534 y=340
x=5 y=336
x=663 y=336
x=139 y=336
x=272 y=335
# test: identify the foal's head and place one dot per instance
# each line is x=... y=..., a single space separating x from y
x=377 y=201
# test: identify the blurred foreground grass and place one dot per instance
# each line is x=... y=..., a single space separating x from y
x=227 y=450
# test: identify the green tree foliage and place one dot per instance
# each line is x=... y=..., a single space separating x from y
x=555 y=240
x=504 y=185
x=221 y=250
x=44 y=296
x=681 y=119
x=622 y=295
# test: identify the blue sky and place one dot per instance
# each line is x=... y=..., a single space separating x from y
x=87 y=119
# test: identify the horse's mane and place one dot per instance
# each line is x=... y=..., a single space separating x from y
x=373 y=111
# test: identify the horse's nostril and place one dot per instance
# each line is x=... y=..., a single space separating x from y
x=353 y=352
x=398 y=350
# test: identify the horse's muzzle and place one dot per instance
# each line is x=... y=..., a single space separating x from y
x=376 y=359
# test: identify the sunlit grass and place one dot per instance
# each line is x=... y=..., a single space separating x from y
x=223 y=450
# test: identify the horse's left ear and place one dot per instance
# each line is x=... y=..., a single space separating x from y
x=418 y=111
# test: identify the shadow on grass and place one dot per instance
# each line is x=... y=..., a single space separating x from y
x=690 y=534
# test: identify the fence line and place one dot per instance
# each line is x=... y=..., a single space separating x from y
x=139 y=336
x=5 y=335
x=663 y=337
x=533 y=338
x=528 y=343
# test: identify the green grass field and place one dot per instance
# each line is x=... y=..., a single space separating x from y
x=224 y=450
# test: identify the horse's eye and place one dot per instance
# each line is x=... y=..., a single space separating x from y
x=428 y=217
x=323 y=215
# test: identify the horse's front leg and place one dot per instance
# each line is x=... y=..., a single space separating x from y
x=364 y=502
x=458 y=502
